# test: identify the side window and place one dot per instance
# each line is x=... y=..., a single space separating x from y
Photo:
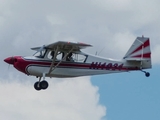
x=60 y=56
x=79 y=58
x=52 y=53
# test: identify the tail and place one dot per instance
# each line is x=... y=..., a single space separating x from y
x=140 y=51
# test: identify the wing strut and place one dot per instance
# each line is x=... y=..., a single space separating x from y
x=54 y=58
x=52 y=67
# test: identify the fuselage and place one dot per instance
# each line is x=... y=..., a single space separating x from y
x=92 y=65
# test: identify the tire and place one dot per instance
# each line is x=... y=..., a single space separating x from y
x=44 y=85
x=37 y=86
x=147 y=74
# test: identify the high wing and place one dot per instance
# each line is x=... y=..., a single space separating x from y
x=64 y=46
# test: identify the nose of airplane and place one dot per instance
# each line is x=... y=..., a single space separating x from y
x=10 y=60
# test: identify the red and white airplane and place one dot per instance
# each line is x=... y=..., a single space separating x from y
x=65 y=59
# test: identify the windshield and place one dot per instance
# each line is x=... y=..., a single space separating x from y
x=40 y=54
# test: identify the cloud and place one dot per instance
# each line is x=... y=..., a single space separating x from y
x=156 y=54
x=94 y=22
x=65 y=99
x=113 y=5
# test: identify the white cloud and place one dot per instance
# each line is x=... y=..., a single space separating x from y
x=65 y=99
x=112 y=5
x=156 y=54
x=121 y=43
x=95 y=22
x=55 y=20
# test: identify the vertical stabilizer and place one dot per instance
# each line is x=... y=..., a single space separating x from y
x=140 y=50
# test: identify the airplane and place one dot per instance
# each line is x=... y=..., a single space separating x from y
x=65 y=59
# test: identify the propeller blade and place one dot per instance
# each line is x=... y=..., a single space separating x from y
x=8 y=66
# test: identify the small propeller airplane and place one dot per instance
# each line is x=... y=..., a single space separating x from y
x=65 y=59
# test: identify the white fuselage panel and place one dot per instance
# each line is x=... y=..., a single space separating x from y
x=66 y=72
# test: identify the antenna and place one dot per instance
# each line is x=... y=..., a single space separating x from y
x=101 y=50
x=96 y=53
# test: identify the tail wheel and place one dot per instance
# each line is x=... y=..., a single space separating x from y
x=147 y=74
x=37 y=86
x=44 y=85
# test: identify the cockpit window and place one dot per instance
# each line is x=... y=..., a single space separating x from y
x=40 y=54
x=59 y=55
x=50 y=55
x=65 y=56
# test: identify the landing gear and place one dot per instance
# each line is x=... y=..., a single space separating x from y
x=44 y=85
x=41 y=85
x=147 y=74
x=37 y=86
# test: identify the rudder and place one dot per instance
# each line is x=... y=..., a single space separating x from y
x=140 y=50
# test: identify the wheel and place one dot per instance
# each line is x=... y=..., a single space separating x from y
x=37 y=86
x=44 y=85
x=147 y=74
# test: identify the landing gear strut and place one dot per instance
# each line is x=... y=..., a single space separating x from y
x=147 y=74
x=41 y=85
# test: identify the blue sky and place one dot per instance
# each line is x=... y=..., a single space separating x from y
x=130 y=95
x=111 y=26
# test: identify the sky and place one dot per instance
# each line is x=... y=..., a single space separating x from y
x=111 y=27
